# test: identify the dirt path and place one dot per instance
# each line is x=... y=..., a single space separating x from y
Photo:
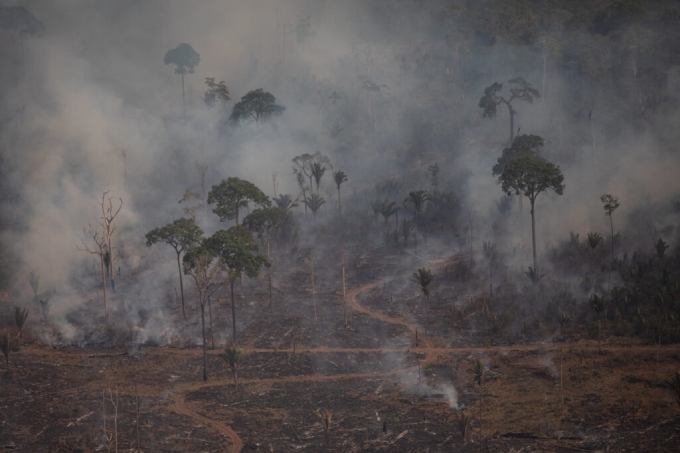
x=180 y=406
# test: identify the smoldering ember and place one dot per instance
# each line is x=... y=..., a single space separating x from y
x=351 y=226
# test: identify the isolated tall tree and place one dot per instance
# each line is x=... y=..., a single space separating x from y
x=181 y=235
x=285 y=201
x=522 y=145
x=423 y=278
x=339 y=177
x=237 y=251
x=417 y=198
x=203 y=266
x=610 y=203
x=256 y=105
x=233 y=194
x=109 y=213
x=520 y=90
x=318 y=170
x=530 y=176
x=185 y=59
x=263 y=221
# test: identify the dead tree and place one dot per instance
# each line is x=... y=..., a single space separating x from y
x=109 y=213
x=100 y=250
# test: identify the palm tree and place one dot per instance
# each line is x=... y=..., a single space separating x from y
x=423 y=278
x=594 y=239
x=599 y=305
x=20 y=315
x=314 y=203
x=318 y=169
x=285 y=201
x=339 y=177
x=610 y=203
x=417 y=199
x=233 y=357
x=387 y=209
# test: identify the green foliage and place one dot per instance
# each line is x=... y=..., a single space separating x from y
x=386 y=208
x=315 y=202
x=530 y=176
x=598 y=304
x=189 y=195
x=236 y=249
x=184 y=57
x=417 y=199
x=534 y=274
x=520 y=89
x=522 y=145
x=317 y=169
x=594 y=239
x=339 y=177
x=256 y=105
x=285 y=201
x=233 y=194
x=216 y=91
x=423 y=278
x=181 y=234
x=233 y=357
x=478 y=371
x=610 y=203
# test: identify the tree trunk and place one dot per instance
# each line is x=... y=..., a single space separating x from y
x=344 y=293
x=205 y=354
x=269 y=258
x=233 y=312
x=533 y=235
x=181 y=285
x=311 y=262
x=183 y=104
x=339 y=205
x=106 y=301
x=427 y=309
x=212 y=337
x=611 y=222
x=112 y=268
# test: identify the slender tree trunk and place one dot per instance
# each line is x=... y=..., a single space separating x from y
x=344 y=293
x=427 y=309
x=339 y=205
x=533 y=235
x=269 y=258
x=311 y=262
x=106 y=301
x=611 y=222
x=233 y=312
x=205 y=354
x=112 y=269
x=183 y=104
x=212 y=337
x=181 y=285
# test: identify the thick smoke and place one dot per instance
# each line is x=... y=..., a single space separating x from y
x=89 y=106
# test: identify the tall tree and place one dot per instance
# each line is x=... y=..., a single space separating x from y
x=233 y=194
x=237 y=251
x=530 y=176
x=109 y=213
x=387 y=209
x=610 y=203
x=314 y=203
x=185 y=59
x=423 y=278
x=215 y=91
x=100 y=250
x=208 y=272
x=417 y=198
x=520 y=90
x=262 y=221
x=310 y=165
x=285 y=201
x=318 y=170
x=181 y=235
x=339 y=177
x=522 y=145
x=256 y=105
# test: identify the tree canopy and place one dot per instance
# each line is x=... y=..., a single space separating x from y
x=522 y=145
x=531 y=175
x=184 y=57
x=255 y=106
x=233 y=194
